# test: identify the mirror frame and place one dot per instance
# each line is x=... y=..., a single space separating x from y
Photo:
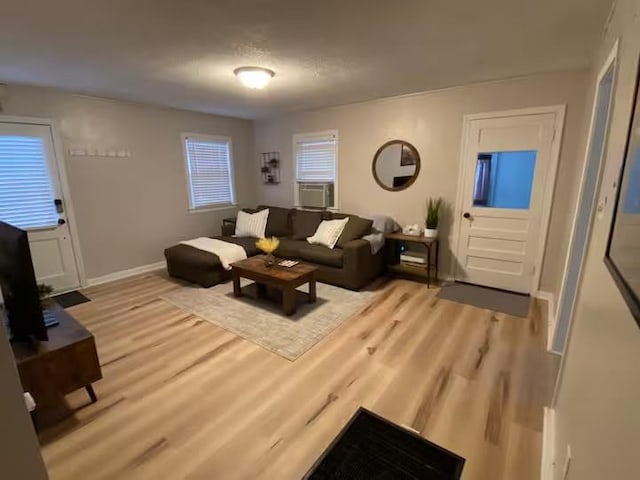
x=413 y=178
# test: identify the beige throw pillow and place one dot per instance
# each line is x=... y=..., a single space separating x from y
x=328 y=232
x=252 y=224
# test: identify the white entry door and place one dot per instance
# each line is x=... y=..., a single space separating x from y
x=31 y=199
x=506 y=171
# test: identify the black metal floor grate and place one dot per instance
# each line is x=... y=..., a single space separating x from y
x=372 y=448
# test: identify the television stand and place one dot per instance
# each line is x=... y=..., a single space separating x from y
x=50 y=370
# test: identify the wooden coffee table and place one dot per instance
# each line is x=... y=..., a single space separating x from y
x=284 y=279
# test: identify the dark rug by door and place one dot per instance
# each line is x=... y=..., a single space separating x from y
x=69 y=299
x=515 y=304
x=371 y=447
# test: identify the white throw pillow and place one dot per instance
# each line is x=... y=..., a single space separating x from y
x=328 y=232
x=252 y=224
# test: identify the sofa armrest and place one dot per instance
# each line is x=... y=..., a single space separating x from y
x=360 y=266
x=228 y=227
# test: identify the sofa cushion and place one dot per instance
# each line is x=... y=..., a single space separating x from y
x=320 y=254
x=305 y=223
x=288 y=248
x=279 y=221
x=356 y=227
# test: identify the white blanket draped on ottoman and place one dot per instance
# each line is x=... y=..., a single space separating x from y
x=226 y=252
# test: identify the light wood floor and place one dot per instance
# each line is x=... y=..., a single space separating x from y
x=182 y=398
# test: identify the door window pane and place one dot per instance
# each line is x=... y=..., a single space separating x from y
x=26 y=192
x=504 y=179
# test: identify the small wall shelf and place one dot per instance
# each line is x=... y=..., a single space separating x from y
x=270 y=168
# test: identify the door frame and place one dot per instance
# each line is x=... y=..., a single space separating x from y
x=64 y=185
x=559 y=111
x=610 y=62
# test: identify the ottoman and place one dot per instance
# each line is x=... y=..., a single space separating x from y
x=204 y=268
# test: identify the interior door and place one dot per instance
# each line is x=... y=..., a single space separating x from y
x=505 y=169
x=31 y=199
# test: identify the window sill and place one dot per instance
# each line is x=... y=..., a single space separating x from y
x=213 y=208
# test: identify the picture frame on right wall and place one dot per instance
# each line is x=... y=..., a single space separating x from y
x=622 y=256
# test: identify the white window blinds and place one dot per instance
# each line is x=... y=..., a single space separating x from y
x=209 y=171
x=315 y=157
x=26 y=192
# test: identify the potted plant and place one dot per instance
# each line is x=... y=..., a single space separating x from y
x=45 y=292
x=433 y=217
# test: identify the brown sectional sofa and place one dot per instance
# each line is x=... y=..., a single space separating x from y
x=350 y=264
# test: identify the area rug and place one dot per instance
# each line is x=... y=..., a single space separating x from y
x=262 y=321
x=510 y=303
x=373 y=447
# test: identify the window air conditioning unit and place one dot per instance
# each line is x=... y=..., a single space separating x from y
x=316 y=195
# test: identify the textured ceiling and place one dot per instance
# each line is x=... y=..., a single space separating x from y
x=182 y=53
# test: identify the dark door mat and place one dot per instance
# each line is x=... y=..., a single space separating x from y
x=70 y=299
x=515 y=304
x=370 y=447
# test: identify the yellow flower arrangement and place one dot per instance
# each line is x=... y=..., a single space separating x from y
x=268 y=245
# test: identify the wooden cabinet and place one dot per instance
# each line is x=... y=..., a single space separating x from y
x=50 y=370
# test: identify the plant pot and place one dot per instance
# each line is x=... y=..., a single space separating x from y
x=431 y=232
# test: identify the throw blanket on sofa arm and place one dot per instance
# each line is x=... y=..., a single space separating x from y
x=376 y=240
x=226 y=252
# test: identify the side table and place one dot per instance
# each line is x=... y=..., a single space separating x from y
x=423 y=271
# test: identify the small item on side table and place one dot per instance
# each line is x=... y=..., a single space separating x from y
x=411 y=230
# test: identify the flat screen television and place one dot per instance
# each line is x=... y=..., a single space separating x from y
x=19 y=286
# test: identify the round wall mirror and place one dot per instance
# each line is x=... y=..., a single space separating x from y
x=396 y=165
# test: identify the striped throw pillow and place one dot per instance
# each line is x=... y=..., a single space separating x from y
x=328 y=232
x=252 y=224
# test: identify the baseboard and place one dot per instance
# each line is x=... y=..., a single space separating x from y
x=551 y=315
x=547 y=466
x=125 y=273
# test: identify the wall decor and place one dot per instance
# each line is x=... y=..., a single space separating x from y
x=270 y=168
x=622 y=257
x=396 y=165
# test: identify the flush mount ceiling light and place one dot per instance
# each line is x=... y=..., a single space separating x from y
x=254 y=77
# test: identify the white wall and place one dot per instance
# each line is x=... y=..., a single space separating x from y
x=432 y=122
x=20 y=457
x=129 y=209
x=599 y=393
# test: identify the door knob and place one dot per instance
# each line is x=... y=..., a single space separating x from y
x=466 y=215
x=61 y=221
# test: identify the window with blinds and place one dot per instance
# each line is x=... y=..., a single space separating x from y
x=26 y=192
x=209 y=171
x=316 y=165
